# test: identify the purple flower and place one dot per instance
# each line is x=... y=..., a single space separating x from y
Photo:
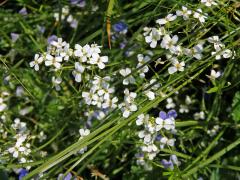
x=163 y=115
x=123 y=45
x=171 y=114
x=167 y=164
x=139 y=155
x=158 y=137
x=22 y=173
x=120 y=27
x=74 y=24
x=79 y=3
x=174 y=159
x=52 y=38
x=67 y=177
x=23 y=11
x=14 y=37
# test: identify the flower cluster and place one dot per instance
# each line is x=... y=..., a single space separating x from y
x=151 y=88
x=21 y=148
x=100 y=93
x=59 y=54
x=128 y=105
x=65 y=15
x=153 y=136
x=172 y=44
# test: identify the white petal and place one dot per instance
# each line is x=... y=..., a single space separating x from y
x=15 y=154
x=153 y=44
x=159 y=121
x=48 y=63
x=172 y=70
x=148 y=39
x=104 y=59
x=126 y=113
x=32 y=63
x=101 y=65
x=133 y=107
x=161 y=21
x=49 y=57
x=36 y=67
x=57 y=65
x=78 y=77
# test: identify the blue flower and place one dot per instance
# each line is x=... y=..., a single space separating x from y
x=171 y=114
x=23 y=11
x=120 y=27
x=22 y=173
x=67 y=177
x=52 y=38
x=79 y=3
x=14 y=37
x=167 y=164
x=172 y=161
x=158 y=137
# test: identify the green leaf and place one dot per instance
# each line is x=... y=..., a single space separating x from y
x=213 y=90
x=236 y=107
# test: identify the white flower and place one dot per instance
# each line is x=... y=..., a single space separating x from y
x=146 y=136
x=128 y=108
x=168 y=18
x=200 y=15
x=110 y=103
x=59 y=43
x=184 y=13
x=218 y=45
x=96 y=59
x=183 y=108
x=55 y=61
x=56 y=82
x=87 y=97
x=199 y=115
x=214 y=75
x=176 y=66
x=169 y=43
x=153 y=38
x=15 y=151
x=165 y=141
x=35 y=63
x=170 y=103
x=20 y=126
x=150 y=95
x=149 y=148
x=146 y=30
x=128 y=105
x=142 y=119
x=129 y=96
x=141 y=61
x=227 y=53
x=77 y=73
x=129 y=79
x=78 y=50
x=208 y=3
x=84 y=132
x=95 y=49
x=97 y=100
x=168 y=124
x=196 y=51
